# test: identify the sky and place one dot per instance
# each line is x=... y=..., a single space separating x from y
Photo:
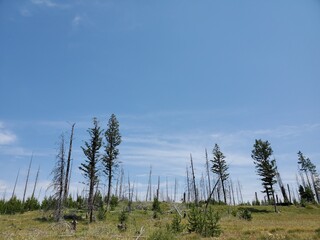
x=179 y=75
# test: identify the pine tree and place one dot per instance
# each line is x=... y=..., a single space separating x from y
x=110 y=160
x=265 y=167
x=220 y=168
x=89 y=168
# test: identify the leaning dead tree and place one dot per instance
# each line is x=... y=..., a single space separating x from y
x=25 y=187
x=68 y=173
x=15 y=184
x=35 y=183
x=282 y=188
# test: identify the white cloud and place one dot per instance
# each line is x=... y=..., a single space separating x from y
x=49 y=4
x=6 y=137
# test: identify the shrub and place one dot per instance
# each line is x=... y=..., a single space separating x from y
x=114 y=201
x=156 y=205
x=204 y=223
x=123 y=217
x=101 y=213
x=244 y=214
x=13 y=206
x=31 y=204
x=176 y=226
x=48 y=203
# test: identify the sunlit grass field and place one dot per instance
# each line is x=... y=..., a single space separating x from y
x=291 y=222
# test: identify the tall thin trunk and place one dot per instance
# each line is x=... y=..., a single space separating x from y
x=25 y=188
x=224 y=191
x=15 y=184
x=149 y=190
x=66 y=181
x=290 y=199
x=240 y=192
x=158 y=189
x=194 y=183
x=167 y=189
x=274 y=200
x=35 y=183
x=208 y=172
x=188 y=185
x=232 y=190
x=121 y=183
x=109 y=186
x=315 y=188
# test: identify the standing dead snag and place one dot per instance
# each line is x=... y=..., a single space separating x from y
x=15 y=184
x=35 y=183
x=58 y=179
x=194 y=183
x=25 y=188
x=68 y=173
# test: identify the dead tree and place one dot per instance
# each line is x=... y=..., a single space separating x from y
x=35 y=183
x=194 y=183
x=149 y=189
x=58 y=179
x=66 y=181
x=158 y=189
x=25 y=188
x=208 y=172
x=121 y=183
x=15 y=184
x=282 y=188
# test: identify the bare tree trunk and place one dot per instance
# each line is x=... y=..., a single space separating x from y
x=25 y=188
x=316 y=192
x=232 y=190
x=109 y=187
x=121 y=183
x=240 y=192
x=149 y=190
x=167 y=189
x=66 y=181
x=188 y=185
x=208 y=172
x=289 y=193
x=158 y=189
x=274 y=200
x=35 y=183
x=194 y=183
x=210 y=196
x=15 y=184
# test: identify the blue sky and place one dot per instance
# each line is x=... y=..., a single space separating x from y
x=180 y=76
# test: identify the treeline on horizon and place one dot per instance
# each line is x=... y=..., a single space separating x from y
x=101 y=152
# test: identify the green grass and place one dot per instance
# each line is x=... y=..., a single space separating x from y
x=290 y=223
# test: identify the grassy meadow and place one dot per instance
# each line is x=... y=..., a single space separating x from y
x=292 y=222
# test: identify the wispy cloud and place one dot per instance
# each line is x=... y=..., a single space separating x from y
x=49 y=4
x=25 y=12
x=6 y=137
x=76 y=20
